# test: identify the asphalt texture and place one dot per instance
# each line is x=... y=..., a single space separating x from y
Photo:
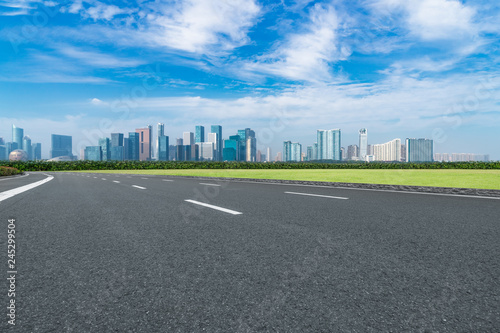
x=95 y=254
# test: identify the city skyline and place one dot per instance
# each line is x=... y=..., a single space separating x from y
x=283 y=68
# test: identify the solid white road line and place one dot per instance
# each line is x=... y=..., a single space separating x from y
x=142 y=188
x=10 y=193
x=167 y=180
x=143 y=178
x=225 y=210
x=95 y=177
x=209 y=184
x=116 y=181
x=318 y=195
x=103 y=178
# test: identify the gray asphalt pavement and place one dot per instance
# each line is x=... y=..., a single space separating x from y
x=117 y=253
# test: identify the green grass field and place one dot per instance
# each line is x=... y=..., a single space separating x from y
x=479 y=179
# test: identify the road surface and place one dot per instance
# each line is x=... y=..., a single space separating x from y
x=130 y=253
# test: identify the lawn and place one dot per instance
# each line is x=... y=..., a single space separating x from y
x=480 y=179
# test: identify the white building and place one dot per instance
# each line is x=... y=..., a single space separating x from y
x=389 y=151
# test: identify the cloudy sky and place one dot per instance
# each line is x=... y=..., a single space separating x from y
x=400 y=68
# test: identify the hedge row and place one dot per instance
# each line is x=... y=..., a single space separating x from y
x=8 y=171
x=136 y=165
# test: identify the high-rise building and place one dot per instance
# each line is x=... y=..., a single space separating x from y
x=206 y=151
x=199 y=134
x=315 y=151
x=179 y=155
x=329 y=145
x=217 y=129
x=403 y=153
x=62 y=145
x=116 y=139
x=231 y=148
x=17 y=136
x=172 y=152
x=296 y=152
x=37 y=151
x=363 y=144
x=188 y=138
x=369 y=150
x=3 y=153
x=163 y=148
x=389 y=151
x=160 y=131
x=251 y=147
x=93 y=153
x=309 y=153
x=419 y=150
x=145 y=142
x=132 y=151
x=27 y=147
x=213 y=138
x=353 y=153
x=117 y=153
x=268 y=154
x=105 y=144
x=287 y=151
x=279 y=157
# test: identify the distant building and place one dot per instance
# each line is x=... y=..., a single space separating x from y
x=287 y=151
x=188 y=138
x=363 y=144
x=160 y=131
x=251 y=147
x=93 y=153
x=116 y=139
x=207 y=151
x=199 y=135
x=117 y=153
x=329 y=145
x=369 y=150
x=105 y=144
x=163 y=148
x=27 y=147
x=403 y=153
x=18 y=155
x=17 y=136
x=3 y=153
x=309 y=153
x=132 y=147
x=145 y=142
x=172 y=152
x=62 y=145
x=353 y=153
x=419 y=150
x=389 y=151
x=268 y=155
x=461 y=157
x=296 y=152
x=217 y=129
x=279 y=157
x=231 y=149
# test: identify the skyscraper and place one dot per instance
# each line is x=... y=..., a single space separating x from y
x=27 y=147
x=17 y=136
x=160 y=131
x=116 y=139
x=199 y=134
x=353 y=152
x=296 y=152
x=287 y=151
x=93 y=153
x=389 y=151
x=62 y=145
x=37 y=151
x=251 y=149
x=163 y=148
x=217 y=129
x=133 y=146
x=105 y=144
x=206 y=151
x=268 y=154
x=145 y=142
x=363 y=144
x=419 y=150
x=231 y=148
x=329 y=145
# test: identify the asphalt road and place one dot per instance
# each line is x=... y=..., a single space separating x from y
x=117 y=253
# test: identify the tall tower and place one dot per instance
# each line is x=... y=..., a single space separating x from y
x=145 y=136
x=159 y=133
x=199 y=134
x=329 y=145
x=363 y=143
x=17 y=136
x=218 y=147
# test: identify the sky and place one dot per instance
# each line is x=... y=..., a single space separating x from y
x=400 y=68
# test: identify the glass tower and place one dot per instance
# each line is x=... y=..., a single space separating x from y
x=329 y=145
x=363 y=143
x=419 y=150
x=62 y=145
x=199 y=134
x=17 y=136
x=217 y=129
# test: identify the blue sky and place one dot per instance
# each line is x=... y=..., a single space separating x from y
x=400 y=68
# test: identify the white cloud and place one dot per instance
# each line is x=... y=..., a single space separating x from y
x=98 y=59
x=305 y=56
x=202 y=26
